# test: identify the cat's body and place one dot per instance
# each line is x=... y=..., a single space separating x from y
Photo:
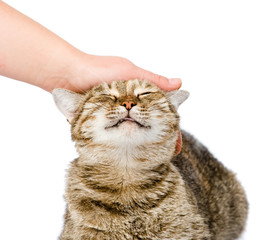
x=128 y=183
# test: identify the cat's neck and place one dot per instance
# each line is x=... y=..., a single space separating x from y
x=125 y=166
x=124 y=179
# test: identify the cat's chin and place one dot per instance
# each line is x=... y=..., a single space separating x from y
x=127 y=132
x=128 y=121
x=129 y=128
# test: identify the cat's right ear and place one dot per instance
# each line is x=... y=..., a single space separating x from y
x=67 y=102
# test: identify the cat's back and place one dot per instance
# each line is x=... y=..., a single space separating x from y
x=221 y=199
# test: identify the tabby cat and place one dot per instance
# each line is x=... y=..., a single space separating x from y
x=133 y=180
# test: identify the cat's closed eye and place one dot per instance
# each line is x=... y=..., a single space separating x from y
x=113 y=97
x=143 y=94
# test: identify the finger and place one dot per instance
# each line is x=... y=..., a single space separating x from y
x=166 y=84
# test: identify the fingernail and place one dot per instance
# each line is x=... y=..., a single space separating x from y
x=175 y=81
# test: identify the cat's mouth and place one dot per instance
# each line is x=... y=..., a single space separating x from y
x=129 y=119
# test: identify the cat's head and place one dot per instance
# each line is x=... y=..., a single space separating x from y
x=123 y=114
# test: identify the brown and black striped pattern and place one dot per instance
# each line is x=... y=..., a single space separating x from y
x=127 y=182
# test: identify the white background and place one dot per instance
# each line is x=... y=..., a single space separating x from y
x=219 y=50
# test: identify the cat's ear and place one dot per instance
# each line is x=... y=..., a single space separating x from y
x=67 y=102
x=177 y=97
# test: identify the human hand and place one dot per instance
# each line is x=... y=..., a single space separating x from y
x=91 y=70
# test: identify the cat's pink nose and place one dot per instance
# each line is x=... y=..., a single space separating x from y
x=128 y=104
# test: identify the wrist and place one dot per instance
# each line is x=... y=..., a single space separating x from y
x=62 y=70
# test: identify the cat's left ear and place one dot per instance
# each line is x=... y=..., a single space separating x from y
x=177 y=97
x=67 y=102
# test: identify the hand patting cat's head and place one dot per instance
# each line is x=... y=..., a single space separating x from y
x=123 y=114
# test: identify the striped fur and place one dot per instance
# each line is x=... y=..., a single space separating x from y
x=128 y=183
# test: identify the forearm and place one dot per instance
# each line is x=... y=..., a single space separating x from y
x=31 y=53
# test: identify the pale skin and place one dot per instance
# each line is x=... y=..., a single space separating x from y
x=31 y=53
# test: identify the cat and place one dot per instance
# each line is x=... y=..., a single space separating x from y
x=138 y=176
